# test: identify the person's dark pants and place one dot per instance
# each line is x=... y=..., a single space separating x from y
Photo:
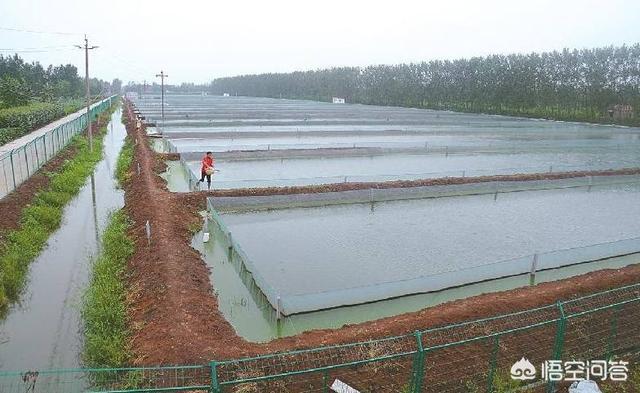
x=203 y=174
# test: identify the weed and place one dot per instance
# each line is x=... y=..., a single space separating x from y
x=194 y=227
x=123 y=166
x=502 y=383
x=104 y=308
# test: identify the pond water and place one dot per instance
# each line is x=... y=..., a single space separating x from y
x=358 y=250
x=212 y=117
x=306 y=171
x=351 y=246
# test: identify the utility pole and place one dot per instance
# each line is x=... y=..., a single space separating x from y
x=86 y=48
x=162 y=75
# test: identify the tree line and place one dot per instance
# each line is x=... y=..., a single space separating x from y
x=22 y=82
x=600 y=84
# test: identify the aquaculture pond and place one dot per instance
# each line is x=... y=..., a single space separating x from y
x=324 y=266
x=350 y=142
x=323 y=170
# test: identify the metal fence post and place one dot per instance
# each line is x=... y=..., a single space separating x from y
x=215 y=385
x=613 y=332
x=13 y=170
x=559 y=341
x=418 y=364
x=492 y=363
x=35 y=144
x=230 y=247
x=26 y=159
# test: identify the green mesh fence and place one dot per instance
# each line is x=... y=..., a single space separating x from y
x=18 y=164
x=472 y=356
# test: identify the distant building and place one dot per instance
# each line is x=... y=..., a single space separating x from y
x=131 y=95
x=620 y=111
x=338 y=100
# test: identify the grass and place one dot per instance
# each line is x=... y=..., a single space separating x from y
x=123 y=166
x=43 y=216
x=104 y=305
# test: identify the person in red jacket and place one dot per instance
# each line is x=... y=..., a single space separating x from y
x=207 y=168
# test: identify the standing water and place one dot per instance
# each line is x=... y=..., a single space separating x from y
x=44 y=330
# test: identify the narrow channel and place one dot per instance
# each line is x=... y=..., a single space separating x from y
x=44 y=329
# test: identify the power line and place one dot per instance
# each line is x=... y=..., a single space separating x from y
x=37 y=50
x=123 y=64
x=37 y=31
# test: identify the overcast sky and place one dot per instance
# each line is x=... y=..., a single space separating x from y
x=196 y=41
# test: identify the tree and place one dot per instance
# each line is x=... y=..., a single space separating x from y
x=570 y=84
x=116 y=86
x=14 y=91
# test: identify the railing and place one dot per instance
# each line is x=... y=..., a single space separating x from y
x=472 y=356
x=19 y=164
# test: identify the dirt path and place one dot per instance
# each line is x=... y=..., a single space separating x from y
x=174 y=313
x=175 y=319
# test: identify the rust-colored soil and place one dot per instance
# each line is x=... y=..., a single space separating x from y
x=169 y=156
x=174 y=314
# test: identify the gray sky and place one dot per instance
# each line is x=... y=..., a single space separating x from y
x=196 y=41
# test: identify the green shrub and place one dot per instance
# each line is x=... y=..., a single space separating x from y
x=9 y=134
x=30 y=116
x=72 y=106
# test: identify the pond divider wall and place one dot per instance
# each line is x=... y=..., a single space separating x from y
x=373 y=195
x=278 y=151
x=260 y=289
x=528 y=264
x=194 y=181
